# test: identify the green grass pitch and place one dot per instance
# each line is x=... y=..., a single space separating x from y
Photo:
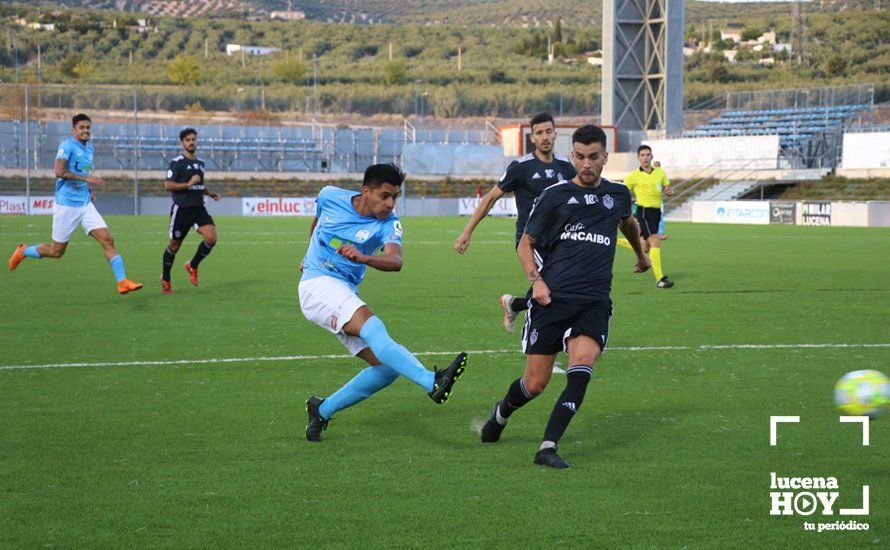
x=670 y=449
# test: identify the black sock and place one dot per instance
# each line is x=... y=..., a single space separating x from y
x=519 y=303
x=568 y=403
x=202 y=252
x=516 y=397
x=169 y=258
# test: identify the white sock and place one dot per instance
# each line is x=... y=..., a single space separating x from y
x=547 y=445
x=500 y=419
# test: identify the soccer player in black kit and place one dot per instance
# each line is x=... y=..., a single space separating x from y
x=525 y=178
x=567 y=251
x=185 y=181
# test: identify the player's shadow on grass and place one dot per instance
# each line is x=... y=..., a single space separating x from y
x=448 y=428
x=596 y=432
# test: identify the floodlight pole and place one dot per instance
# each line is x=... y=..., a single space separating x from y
x=308 y=100
x=315 y=84
x=135 y=152
x=28 y=148
x=417 y=98
x=256 y=86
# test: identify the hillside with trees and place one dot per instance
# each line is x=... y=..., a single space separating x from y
x=449 y=70
x=530 y=13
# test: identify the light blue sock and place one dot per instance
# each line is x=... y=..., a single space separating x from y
x=369 y=381
x=117 y=265
x=31 y=252
x=394 y=355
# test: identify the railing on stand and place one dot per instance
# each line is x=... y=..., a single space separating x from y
x=757 y=173
x=714 y=102
x=492 y=133
x=691 y=185
x=409 y=132
x=716 y=172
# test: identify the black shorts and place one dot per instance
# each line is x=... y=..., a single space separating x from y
x=548 y=328
x=183 y=218
x=649 y=220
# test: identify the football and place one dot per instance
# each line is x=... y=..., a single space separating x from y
x=862 y=392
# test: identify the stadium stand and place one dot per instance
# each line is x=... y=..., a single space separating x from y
x=808 y=122
x=793 y=125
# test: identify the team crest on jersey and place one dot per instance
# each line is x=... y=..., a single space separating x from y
x=533 y=337
x=608 y=201
x=362 y=235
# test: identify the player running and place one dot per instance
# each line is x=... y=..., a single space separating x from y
x=568 y=251
x=73 y=206
x=525 y=178
x=348 y=230
x=185 y=181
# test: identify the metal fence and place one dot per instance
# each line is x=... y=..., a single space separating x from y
x=801 y=98
x=790 y=98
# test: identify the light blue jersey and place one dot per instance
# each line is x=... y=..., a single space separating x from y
x=80 y=162
x=338 y=224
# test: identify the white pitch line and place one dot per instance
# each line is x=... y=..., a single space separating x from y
x=789 y=346
x=704 y=347
x=228 y=360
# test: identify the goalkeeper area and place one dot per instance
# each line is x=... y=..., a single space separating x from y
x=153 y=420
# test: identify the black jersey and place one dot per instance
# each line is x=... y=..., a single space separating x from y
x=575 y=229
x=527 y=177
x=181 y=171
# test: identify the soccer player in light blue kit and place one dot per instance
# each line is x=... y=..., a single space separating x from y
x=348 y=230
x=73 y=206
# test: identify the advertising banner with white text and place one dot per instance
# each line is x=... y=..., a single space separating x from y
x=503 y=207
x=277 y=206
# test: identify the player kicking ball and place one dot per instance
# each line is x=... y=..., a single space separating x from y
x=73 y=206
x=567 y=251
x=348 y=230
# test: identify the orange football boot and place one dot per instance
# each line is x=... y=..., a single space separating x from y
x=17 y=256
x=127 y=285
